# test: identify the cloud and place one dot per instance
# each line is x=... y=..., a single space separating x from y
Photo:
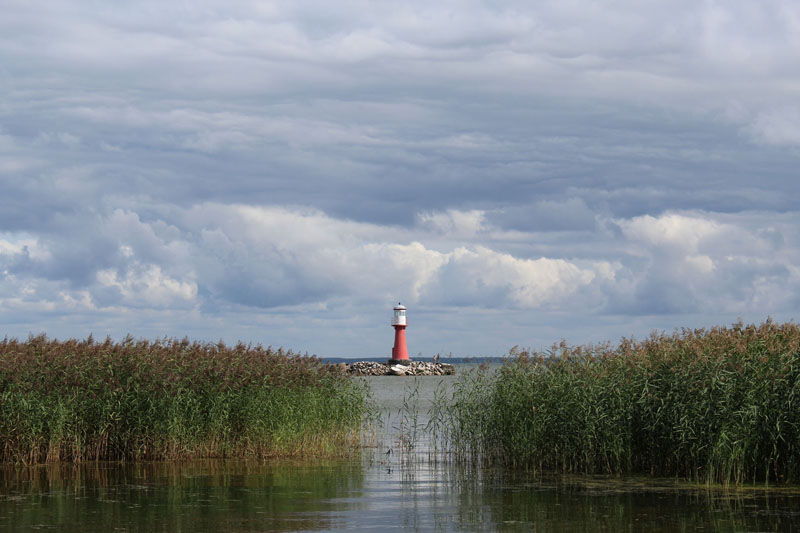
x=501 y=280
x=778 y=127
x=569 y=214
x=558 y=168
x=700 y=262
x=147 y=287
x=271 y=257
x=670 y=230
x=317 y=257
x=219 y=258
x=454 y=223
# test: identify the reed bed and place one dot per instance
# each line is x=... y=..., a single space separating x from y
x=715 y=406
x=170 y=399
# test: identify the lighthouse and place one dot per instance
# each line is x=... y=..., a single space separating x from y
x=399 y=350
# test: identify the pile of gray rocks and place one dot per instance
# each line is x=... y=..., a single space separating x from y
x=415 y=368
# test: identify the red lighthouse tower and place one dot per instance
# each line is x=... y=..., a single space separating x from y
x=399 y=351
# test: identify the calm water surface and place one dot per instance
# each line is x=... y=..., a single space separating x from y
x=399 y=490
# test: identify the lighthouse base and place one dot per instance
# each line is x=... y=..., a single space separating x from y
x=404 y=362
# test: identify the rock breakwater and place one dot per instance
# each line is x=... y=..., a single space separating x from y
x=415 y=368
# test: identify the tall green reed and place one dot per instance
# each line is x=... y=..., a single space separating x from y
x=169 y=398
x=718 y=406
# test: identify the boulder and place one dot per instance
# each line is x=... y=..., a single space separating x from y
x=397 y=370
x=415 y=368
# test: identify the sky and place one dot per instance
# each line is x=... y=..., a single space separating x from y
x=285 y=172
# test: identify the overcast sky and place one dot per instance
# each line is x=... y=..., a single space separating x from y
x=283 y=173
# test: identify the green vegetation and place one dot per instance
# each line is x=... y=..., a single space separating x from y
x=170 y=399
x=717 y=406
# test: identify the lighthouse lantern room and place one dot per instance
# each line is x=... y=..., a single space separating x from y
x=399 y=351
x=399 y=318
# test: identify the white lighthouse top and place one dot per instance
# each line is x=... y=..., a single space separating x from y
x=399 y=318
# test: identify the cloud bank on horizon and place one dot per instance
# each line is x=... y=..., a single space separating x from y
x=283 y=173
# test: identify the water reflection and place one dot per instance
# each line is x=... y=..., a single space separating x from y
x=198 y=496
x=597 y=504
x=374 y=493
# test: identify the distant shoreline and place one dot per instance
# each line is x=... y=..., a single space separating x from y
x=442 y=359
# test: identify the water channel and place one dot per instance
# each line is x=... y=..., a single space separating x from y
x=401 y=489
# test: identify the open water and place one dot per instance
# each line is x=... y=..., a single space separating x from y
x=401 y=489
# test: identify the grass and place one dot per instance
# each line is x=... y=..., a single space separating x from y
x=718 y=406
x=170 y=399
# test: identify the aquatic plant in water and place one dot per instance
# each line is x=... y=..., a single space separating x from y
x=166 y=399
x=717 y=405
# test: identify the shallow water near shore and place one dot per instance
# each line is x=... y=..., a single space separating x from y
x=397 y=484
